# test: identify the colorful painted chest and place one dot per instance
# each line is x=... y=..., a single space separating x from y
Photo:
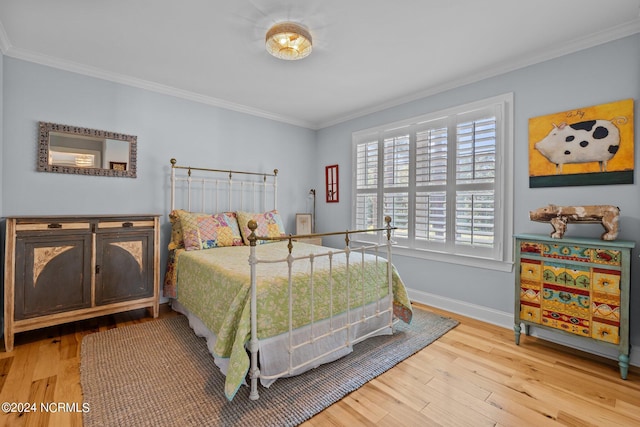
x=575 y=285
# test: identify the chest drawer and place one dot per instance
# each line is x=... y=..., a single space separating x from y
x=576 y=286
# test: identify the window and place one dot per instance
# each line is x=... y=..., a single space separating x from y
x=445 y=179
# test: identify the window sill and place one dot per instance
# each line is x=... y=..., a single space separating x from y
x=458 y=259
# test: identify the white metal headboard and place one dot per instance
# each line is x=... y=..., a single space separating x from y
x=208 y=190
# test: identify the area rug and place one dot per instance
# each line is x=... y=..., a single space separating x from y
x=159 y=373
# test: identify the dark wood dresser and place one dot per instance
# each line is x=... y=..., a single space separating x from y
x=61 y=269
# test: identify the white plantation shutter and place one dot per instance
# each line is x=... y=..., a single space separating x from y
x=367 y=211
x=367 y=165
x=367 y=185
x=475 y=218
x=443 y=181
x=431 y=156
x=431 y=218
x=475 y=179
x=430 y=182
x=396 y=205
x=476 y=151
x=395 y=166
x=396 y=161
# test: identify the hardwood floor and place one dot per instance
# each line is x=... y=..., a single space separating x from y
x=473 y=376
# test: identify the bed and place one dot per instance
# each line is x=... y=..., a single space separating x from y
x=268 y=304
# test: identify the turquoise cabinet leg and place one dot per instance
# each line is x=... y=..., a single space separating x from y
x=516 y=329
x=623 y=362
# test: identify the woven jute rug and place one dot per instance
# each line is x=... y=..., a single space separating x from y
x=159 y=373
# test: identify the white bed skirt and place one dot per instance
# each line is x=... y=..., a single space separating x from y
x=274 y=355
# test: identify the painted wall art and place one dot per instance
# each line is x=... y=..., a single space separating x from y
x=586 y=146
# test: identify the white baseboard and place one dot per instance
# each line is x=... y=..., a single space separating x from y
x=505 y=320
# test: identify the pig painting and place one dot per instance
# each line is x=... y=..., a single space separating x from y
x=559 y=216
x=582 y=142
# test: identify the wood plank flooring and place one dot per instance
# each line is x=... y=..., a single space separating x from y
x=473 y=376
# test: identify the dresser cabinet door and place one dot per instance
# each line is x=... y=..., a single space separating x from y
x=566 y=297
x=53 y=274
x=124 y=266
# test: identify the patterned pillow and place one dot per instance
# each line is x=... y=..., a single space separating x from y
x=204 y=231
x=177 y=242
x=269 y=225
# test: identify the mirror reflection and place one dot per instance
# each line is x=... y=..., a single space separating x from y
x=70 y=149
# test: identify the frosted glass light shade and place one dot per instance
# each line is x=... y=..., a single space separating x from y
x=289 y=41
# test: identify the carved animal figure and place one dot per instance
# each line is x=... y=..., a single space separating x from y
x=582 y=142
x=560 y=216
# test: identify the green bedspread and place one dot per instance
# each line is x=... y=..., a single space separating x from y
x=214 y=284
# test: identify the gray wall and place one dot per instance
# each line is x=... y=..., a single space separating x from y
x=195 y=134
x=198 y=134
x=598 y=75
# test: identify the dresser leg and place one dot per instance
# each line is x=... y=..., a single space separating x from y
x=623 y=362
x=516 y=329
x=8 y=341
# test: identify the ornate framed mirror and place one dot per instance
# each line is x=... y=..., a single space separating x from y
x=84 y=151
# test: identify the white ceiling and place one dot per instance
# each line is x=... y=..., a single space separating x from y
x=367 y=55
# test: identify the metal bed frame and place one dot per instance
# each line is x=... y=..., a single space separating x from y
x=252 y=190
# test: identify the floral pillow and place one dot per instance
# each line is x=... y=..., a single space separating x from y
x=177 y=242
x=205 y=231
x=269 y=225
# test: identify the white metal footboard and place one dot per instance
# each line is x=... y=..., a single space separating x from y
x=217 y=190
x=380 y=310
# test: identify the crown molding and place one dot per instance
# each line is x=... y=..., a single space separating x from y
x=86 y=70
x=621 y=31
x=572 y=46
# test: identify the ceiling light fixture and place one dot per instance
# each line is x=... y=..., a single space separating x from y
x=288 y=40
